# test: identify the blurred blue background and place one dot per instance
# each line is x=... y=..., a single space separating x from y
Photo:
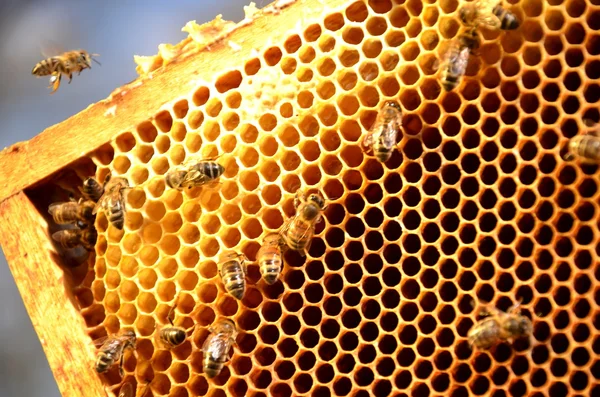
x=116 y=30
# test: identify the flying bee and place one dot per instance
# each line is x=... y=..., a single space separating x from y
x=113 y=200
x=66 y=63
x=489 y=13
x=112 y=349
x=269 y=258
x=194 y=173
x=298 y=231
x=382 y=136
x=172 y=336
x=457 y=57
x=92 y=189
x=585 y=147
x=501 y=326
x=72 y=238
x=216 y=346
x=72 y=212
x=232 y=268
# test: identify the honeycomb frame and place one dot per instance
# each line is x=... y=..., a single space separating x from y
x=475 y=205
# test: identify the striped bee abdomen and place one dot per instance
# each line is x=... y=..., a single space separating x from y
x=212 y=170
x=508 y=20
x=233 y=276
x=213 y=365
x=298 y=235
x=270 y=267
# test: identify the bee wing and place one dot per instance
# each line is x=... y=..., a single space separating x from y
x=489 y=20
x=126 y=390
x=193 y=176
x=50 y=48
x=53 y=208
x=389 y=134
x=56 y=235
x=100 y=341
x=369 y=139
x=284 y=229
x=100 y=204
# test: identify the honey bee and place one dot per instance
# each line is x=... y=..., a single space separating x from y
x=72 y=238
x=72 y=212
x=489 y=13
x=92 y=189
x=216 y=346
x=232 y=268
x=172 y=336
x=269 y=258
x=382 y=136
x=194 y=173
x=66 y=63
x=113 y=200
x=500 y=327
x=585 y=147
x=456 y=59
x=112 y=349
x=298 y=231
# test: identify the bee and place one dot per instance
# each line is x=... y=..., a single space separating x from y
x=112 y=349
x=92 y=189
x=172 y=336
x=72 y=211
x=216 y=346
x=66 y=63
x=232 y=268
x=72 y=238
x=500 y=327
x=113 y=200
x=382 y=136
x=456 y=59
x=269 y=258
x=489 y=13
x=298 y=231
x=585 y=147
x=194 y=173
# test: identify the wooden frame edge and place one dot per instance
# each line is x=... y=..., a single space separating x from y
x=40 y=279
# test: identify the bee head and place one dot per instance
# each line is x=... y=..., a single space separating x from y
x=393 y=104
x=519 y=326
x=84 y=58
x=318 y=200
x=466 y=13
x=226 y=325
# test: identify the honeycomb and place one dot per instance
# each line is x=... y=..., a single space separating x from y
x=475 y=205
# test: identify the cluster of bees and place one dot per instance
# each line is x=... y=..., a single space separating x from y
x=296 y=234
x=110 y=197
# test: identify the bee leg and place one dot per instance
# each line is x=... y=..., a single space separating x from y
x=121 y=372
x=70 y=77
x=569 y=157
x=56 y=83
x=515 y=308
x=169 y=316
x=299 y=198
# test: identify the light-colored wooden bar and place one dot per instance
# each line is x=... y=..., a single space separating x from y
x=50 y=305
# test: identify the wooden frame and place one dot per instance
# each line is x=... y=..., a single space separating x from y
x=24 y=235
